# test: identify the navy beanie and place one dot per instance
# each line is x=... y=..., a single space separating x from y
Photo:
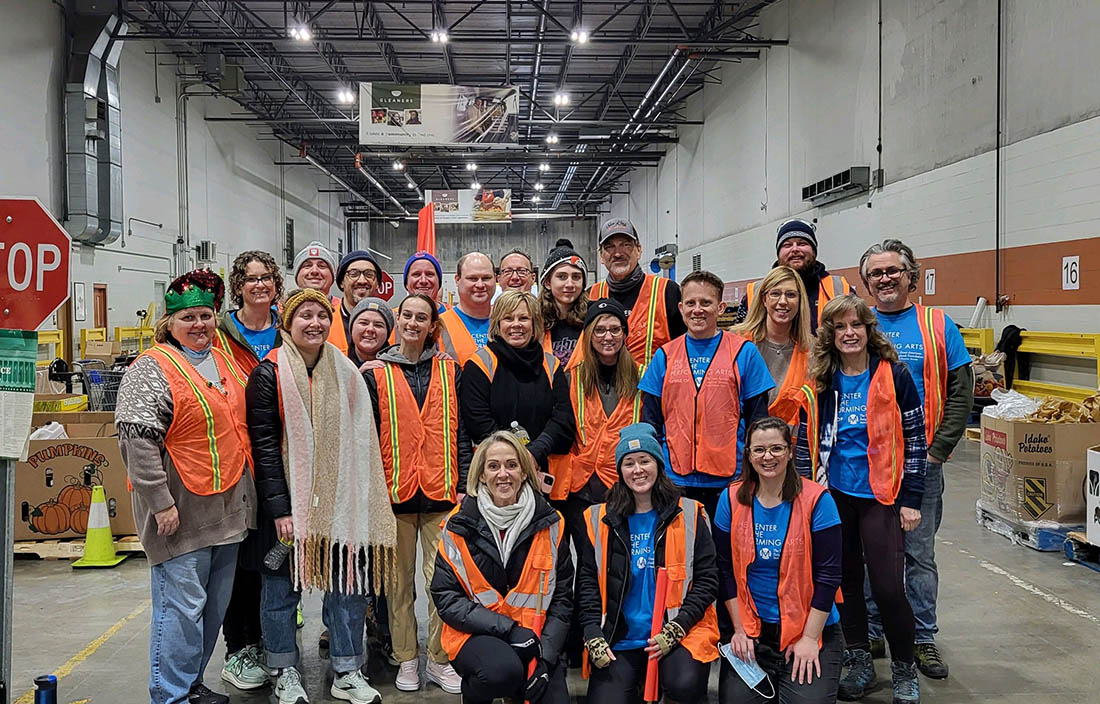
x=358 y=255
x=639 y=437
x=796 y=227
x=417 y=257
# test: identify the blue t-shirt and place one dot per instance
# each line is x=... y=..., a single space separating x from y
x=638 y=605
x=261 y=341
x=903 y=329
x=848 y=468
x=755 y=380
x=771 y=532
x=477 y=327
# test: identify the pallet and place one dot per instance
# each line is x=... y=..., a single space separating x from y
x=1080 y=550
x=1045 y=536
x=70 y=549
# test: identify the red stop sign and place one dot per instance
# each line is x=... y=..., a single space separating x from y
x=34 y=264
x=385 y=287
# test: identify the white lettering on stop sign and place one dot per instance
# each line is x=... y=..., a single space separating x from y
x=46 y=259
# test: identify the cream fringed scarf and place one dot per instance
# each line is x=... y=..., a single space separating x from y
x=334 y=471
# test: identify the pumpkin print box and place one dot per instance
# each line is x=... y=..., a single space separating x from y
x=53 y=488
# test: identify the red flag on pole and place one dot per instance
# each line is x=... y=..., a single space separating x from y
x=425 y=233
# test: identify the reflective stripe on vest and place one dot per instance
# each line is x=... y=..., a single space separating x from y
x=486 y=360
x=933 y=325
x=813 y=433
x=701 y=422
x=788 y=398
x=215 y=462
x=643 y=341
x=539 y=576
x=796 y=585
x=597 y=535
x=595 y=451
x=885 y=437
x=427 y=433
x=689 y=515
x=245 y=358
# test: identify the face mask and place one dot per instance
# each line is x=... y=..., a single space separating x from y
x=749 y=672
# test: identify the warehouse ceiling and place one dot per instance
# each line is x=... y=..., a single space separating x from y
x=627 y=68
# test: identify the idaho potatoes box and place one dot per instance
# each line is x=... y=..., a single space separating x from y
x=1035 y=471
x=53 y=487
x=1092 y=496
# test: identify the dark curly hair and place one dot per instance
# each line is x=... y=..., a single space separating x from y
x=236 y=274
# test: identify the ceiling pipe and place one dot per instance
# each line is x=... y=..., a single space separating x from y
x=378 y=184
x=344 y=184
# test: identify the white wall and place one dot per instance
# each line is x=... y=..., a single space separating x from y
x=238 y=197
x=804 y=112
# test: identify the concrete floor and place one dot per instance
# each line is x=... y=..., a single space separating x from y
x=1017 y=625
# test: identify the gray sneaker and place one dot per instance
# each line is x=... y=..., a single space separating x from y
x=243 y=672
x=906 y=683
x=288 y=687
x=353 y=687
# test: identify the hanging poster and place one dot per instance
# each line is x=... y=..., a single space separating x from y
x=415 y=114
x=469 y=205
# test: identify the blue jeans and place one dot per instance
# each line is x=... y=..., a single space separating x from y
x=190 y=594
x=344 y=615
x=922 y=578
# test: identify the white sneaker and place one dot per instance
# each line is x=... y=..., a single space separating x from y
x=288 y=687
x=445 y=676
x=353 y=687
x=243 y=672
x=408 y=676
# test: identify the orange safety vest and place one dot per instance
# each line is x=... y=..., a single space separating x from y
x=807 y=401
x=245 y=358
x=885 y=438
x=827 y=291
x=336 y=334
x=208 y=437
x=419 y=446
x=679 y=562
x=789 y=397
x=457 y=340
x=701 y=423
x=643 y=340
x=559 y=465
x=796 y=582
x=933 y=324
x=574 y=359
x=526 y=603
x=597 y=434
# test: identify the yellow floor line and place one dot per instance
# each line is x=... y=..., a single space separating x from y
x=89 y=649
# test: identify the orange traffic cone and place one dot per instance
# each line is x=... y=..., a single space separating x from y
x=99 y=543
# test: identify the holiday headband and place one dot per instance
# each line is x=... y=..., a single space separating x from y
x=200 y=287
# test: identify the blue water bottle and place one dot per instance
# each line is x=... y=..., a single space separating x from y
x=45 y=689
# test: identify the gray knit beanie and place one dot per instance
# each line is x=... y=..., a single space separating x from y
x=315 y=250
x=377 y=305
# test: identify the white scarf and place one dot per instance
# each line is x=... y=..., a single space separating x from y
x=513 y=519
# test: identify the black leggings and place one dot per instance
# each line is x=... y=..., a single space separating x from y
x=873 y=539
x=681 y=678
x=822 y=690
x=241 y=626
x=490 y=669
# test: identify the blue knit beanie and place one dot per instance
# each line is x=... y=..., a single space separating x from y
x=796 y=227
x=639 y=437
x=417 y=257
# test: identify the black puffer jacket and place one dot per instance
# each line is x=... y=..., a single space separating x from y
x=459 y=611
x=704 y=586
x=418 y=374
x=265 y=430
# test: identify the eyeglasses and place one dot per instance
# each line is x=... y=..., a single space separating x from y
x=773 y=450
x=775 y=294
x=253 y=280
x=522 y=271
x=890 y=273
x=364 y=274
x=613 y=331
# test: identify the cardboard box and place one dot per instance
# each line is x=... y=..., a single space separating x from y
x=1034 y=471
x=60 y=403
x=52 y=488
x=103 y=351
x=1092 y=496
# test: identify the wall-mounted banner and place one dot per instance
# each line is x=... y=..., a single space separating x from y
x=401 y=113
x=468 y=205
